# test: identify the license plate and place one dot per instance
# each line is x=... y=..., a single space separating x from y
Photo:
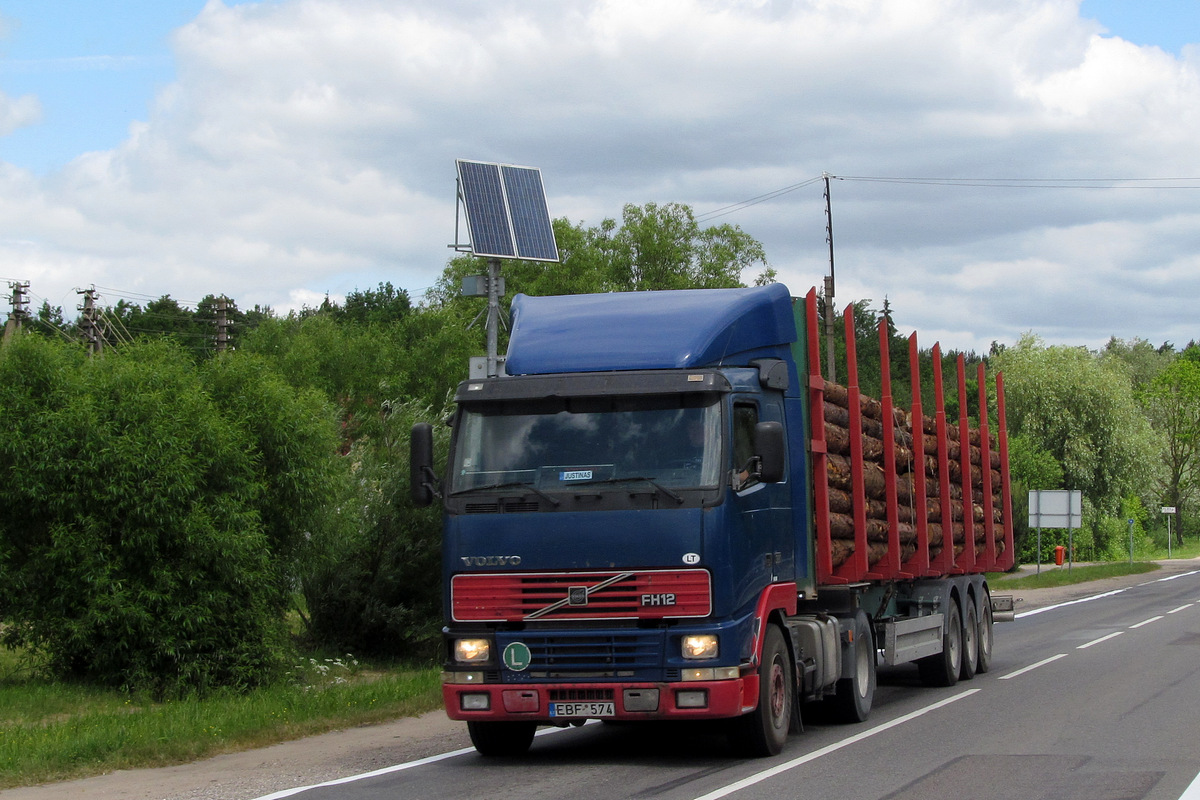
x=582 y=710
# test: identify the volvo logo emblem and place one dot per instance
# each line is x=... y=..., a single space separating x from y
x=490 y=561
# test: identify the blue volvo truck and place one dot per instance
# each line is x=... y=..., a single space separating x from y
x=662 y=511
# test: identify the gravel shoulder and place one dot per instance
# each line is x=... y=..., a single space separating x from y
x=304 y=762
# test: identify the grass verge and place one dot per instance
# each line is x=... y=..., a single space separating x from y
x=1061 y=576
x=50 y=731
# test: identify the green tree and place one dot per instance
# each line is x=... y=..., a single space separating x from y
x=1141 y=358
x=49 y=321
x=384 y=305
x=1172 y=403
x=654 y=247
x=1080 y=409
x=1031 y=467
x=663 y=247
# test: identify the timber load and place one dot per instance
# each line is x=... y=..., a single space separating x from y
x=899 y=493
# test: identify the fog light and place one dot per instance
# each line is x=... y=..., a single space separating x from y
x=472 y=651
x=475 y=702
x=640 y=699
x=462 y=677
x=709 y=674
x=702 y=645
x=691 y=698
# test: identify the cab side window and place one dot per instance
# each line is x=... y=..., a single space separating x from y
x=745 y=417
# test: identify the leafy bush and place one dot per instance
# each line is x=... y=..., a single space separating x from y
x=377 y=591
x=135 y=549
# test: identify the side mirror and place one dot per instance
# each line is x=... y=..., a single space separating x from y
x=420 y=464
x=769 y=446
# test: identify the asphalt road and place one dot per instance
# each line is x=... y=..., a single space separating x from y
x=1093 y=700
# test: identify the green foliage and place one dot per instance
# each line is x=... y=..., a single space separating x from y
x=56 y=731
x=293 y=436
x=1172 y=403
x=377 y=590
x=422 y=355
x=1080 y=409
x=1067 y=577
x=381 y=306
x=1142 y=360
x=134 y=549
x=654 y=247
x=1032 y=466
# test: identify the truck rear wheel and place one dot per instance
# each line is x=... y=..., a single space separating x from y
x=985 y=634
x=941 y=669
x=970 y=639
x=501 y=738
x=764 y=730
x=853 y=696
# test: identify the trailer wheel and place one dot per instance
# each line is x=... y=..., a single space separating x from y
x=970 y=640
x=941 y=669
x=854 y=696
x=501 y=738
x=764 y=730
x=985 y=634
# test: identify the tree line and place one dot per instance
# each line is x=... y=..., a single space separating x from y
x=170 y=508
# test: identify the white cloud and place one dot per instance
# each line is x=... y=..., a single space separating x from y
x=18 y=112
x=307 y=147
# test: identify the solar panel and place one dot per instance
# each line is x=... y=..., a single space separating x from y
x=506 y=211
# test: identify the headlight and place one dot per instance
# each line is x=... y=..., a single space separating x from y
x=472 y=651
x=700 y=646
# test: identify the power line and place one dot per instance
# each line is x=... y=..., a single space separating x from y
x=1036 y=183
x=753 y=201
x=1151 y=183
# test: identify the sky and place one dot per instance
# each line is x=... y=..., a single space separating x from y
x=997 y=168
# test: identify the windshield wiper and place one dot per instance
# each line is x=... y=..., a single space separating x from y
x=677 y=498
x=529 y=487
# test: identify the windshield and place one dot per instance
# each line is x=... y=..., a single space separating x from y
x=672 y=441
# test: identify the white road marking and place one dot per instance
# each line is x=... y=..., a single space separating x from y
x=1023 y=670
x=1193 y=790
x=1146 y=621
x=1180 y=575
x=1070 y=603
x=1112 y=635
x=824 y=751
x=387 y=770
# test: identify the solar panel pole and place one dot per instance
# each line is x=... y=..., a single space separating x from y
x=493 y=317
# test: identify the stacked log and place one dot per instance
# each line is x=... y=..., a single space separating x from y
x=913 y=449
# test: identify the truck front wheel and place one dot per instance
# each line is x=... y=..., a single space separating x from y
x=501 y=738
x=763 y=731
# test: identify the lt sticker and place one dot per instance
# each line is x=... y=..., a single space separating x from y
x=517 y=657
x=691 y=558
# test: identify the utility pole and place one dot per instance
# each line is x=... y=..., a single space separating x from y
x=222 y=323
x=831 y=366
x=20 y=309
x=89 y=323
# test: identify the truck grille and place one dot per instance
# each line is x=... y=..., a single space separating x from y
x=514 y=597
x=587 y=655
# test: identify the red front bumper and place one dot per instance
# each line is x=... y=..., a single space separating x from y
x=630 y=701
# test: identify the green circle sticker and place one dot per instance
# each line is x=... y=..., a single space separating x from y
x=517 y=657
